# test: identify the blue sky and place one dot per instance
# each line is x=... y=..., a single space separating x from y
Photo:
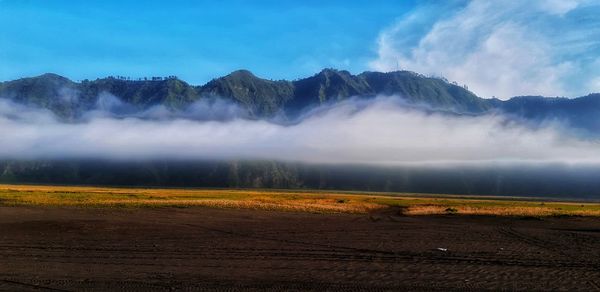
x=196 y=40
x=496 y=47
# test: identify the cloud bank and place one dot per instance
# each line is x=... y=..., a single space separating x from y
x=500 y=48
x=374 y=131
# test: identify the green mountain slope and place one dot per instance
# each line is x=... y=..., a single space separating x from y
x=260 y=97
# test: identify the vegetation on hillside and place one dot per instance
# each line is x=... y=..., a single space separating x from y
x=260 y=97
x=263 y=98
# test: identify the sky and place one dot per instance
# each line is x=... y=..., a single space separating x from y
x=498 y=48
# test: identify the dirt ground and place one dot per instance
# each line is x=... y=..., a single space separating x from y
x=74 y=249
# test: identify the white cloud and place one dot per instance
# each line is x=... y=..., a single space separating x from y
x=498 y=48
x=559 y=7
x=594 y=85
x=380 y=131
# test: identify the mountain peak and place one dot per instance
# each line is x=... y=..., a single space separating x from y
x=331 y=71
x=242 y=73
x=327 y=72
x=51 y=77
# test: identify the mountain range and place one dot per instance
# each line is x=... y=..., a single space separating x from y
x=263 y=98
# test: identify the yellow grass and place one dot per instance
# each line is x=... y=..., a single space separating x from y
x=280 y=200
x=495 y=210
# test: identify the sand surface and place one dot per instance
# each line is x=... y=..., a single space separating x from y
x=74 y=249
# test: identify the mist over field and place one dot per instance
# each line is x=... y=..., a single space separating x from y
x=382 y=130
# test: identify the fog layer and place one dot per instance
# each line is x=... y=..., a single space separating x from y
x=376 y=131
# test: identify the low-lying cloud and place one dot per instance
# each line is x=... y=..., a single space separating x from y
x=375 y=131
x=208 y=109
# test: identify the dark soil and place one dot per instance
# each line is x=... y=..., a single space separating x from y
x=72 y=249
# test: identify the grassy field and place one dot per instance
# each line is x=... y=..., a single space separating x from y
x=286 y=200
